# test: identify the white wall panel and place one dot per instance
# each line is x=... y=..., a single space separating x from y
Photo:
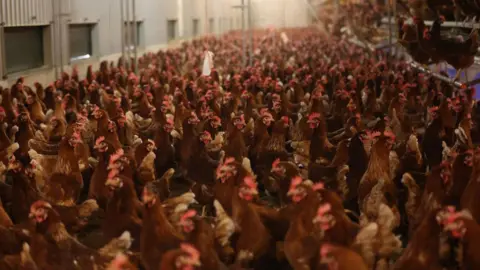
x=105 y=14
x=279 y=13
x=155 y=14
x=26 y=12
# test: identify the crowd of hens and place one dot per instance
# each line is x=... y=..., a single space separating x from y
x=319 y=155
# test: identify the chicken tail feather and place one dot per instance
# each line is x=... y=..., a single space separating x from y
x=26 y=258
x=87 y=208
x=117 y=245
x=12 y=148
x=225 y=226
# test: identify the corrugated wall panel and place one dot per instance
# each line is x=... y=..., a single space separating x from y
x=82 y=9
x=27 y=12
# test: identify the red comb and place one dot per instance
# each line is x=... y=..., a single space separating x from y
x=191 y=250
x=389 y=134
x=39 y=204
x=275 y=163
x=118 y=154
x=375 y=134
x=445 y=164
x=112 y=173
x=297 y=180
x=318 y=186
x=248 y=180
x=433 y=109
x=313 y=115
x=76 y=135
x=189 y=214
x=325 y=250
x=119 y=261
x=324 y=208
x=229 y=160
x=285 y=119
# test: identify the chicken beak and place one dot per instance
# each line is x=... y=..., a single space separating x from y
x=109 y=182
x=196 y=263
x=31 y=215
x=10 y=167
x=291 y=192
x=77 y=141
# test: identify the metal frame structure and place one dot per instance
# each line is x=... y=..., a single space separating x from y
x=2 y=42
x=128 y=16
x=449 y=24
x=247 y=6
x=439 y=76
x=391 y=21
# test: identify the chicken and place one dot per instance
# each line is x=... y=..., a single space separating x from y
x=231 y=174
x=280 y=177
x=319 y=146
x=64 y=185
x=98 y=190
x=461 y=225
x=23 y=260
x=423 y=250
x=35 y=108
x=220 y=163
x=235 y=144
x=341 y=258
x=123 y=209
x=4 y=218
x=408 y=39
x=158 y=234
x=200 y=233
x=106 y=127
x=186 y=145
x=458 y=54
x=300 y=242
x=165 y=154
x=26 y=131
x=52 y=247
x=185 y=257
x=253 y=245
x=468 y=197
x=145 y=158
x=45 y=146
x=377 y=175
x=461 y=172
x=121 y=262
